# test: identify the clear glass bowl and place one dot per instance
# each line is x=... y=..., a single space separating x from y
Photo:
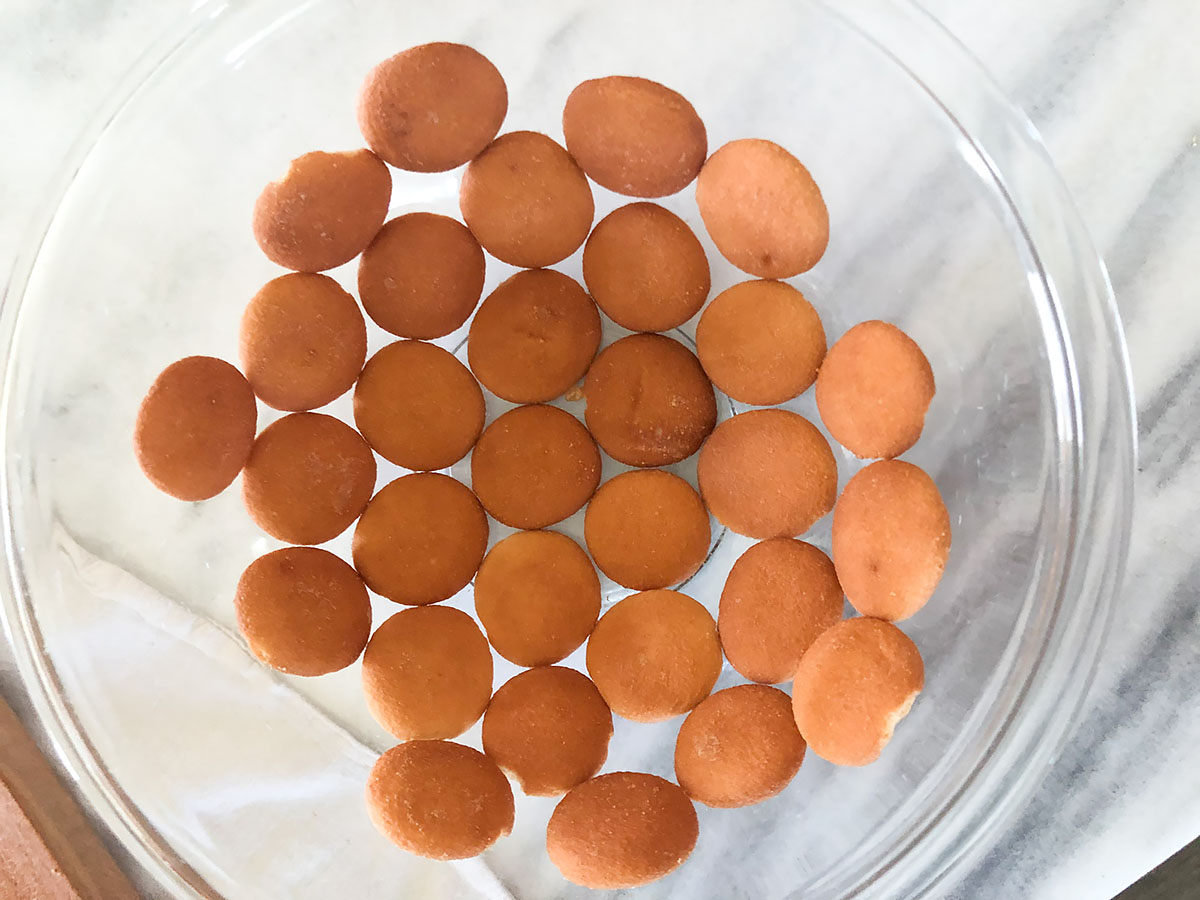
x=226 y=780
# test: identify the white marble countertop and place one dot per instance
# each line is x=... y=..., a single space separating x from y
x=1111 y=85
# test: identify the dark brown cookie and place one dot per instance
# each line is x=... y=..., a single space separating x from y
x=649 y=402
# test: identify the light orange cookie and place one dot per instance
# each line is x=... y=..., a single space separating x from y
x=195 y=428
x=874 y=389
x=324 y=210
x=761 y=342
x=647 y=529
x=534 y=337
x=418 y=406
x=767 y=473
x=526 y=200
x=303 y=342
x=891 y=539
x=654 y=655
x=420 y=539
x=855 y=683
x=634 y=136
x=432 y=107
x=762 y=209
x=308 y=478
x=779 y=596
x=303 y=611
x=538 y=597
x=621 y=830
x=439 y=800
x=427 y=673
x=738 y=747
x=534 y=466
x=422 y=276
x=645 y=268
x=649 y=402
x=549 y=729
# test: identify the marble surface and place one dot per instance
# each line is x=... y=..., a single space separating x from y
x=1110 y=86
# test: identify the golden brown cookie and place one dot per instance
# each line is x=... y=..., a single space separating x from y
x=303 y=611
x=739 y=747
x=303 y=341
x=854 y=684
x=324 y=210
x=525 y=199
x=634 y=136
x=420 y=539
x=427 y=673
x=537 y=596
x=534 y=466
x=422 y=276
x=534 y=337
x=548 y=728
x=779 y=596
x=439 y=800
x=308 y=477
x=432 y=107
x=874 y=389
x=621 y=830
x=647 y=529
x=195 y=428
x=418 y=406
x=645 y=268
x=649 y=402
x=761 y=342
x=891 y=539
x=762 y=209
x=654 y=655
x=767 y=473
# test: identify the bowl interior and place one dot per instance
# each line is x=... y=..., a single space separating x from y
x=248 y=783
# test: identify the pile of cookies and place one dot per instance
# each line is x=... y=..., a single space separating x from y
x=650 y=402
